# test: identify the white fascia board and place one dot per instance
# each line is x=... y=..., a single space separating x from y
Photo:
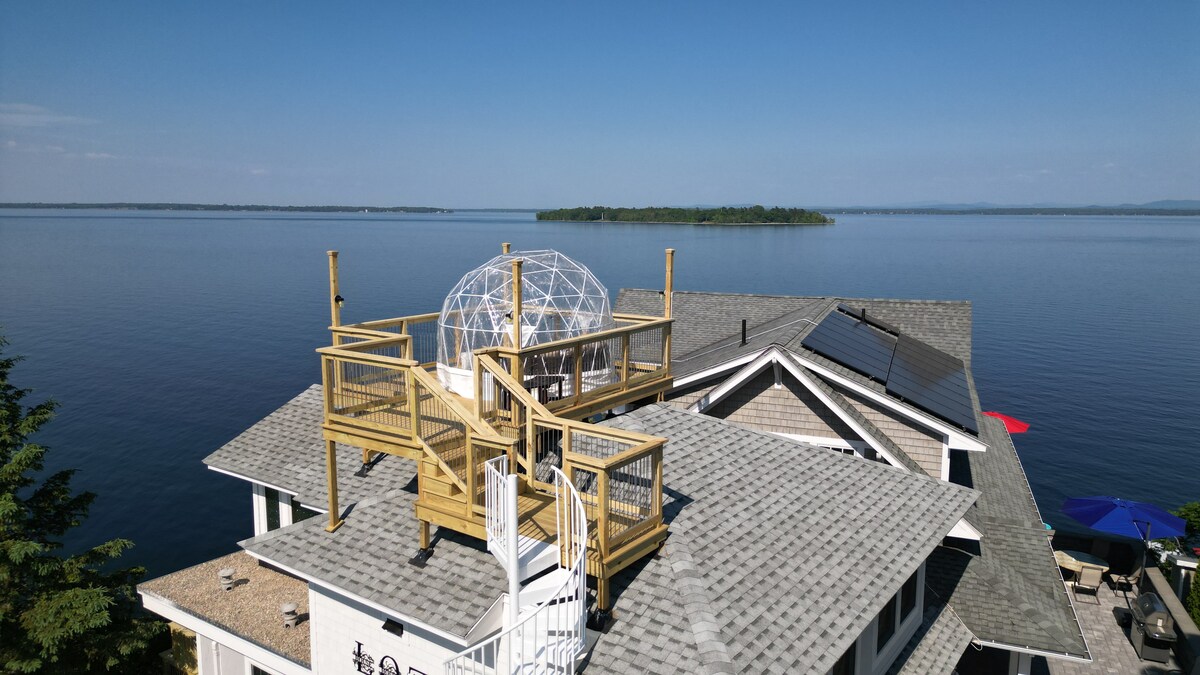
x=1036 y=652
x=735 y=381
x=707 y=373
x=803 y=378
x=964 y=530
x=958 y=440
x=252 y=480
x=172 y=612
x=402 y=617
x=293 y=493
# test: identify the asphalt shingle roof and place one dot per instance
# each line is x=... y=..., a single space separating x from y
x=285 y=450
x=368 y=556
x=767 y=540
x=937 y=645
x=1010 y=594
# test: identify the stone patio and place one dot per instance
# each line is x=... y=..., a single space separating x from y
x=1112 y=652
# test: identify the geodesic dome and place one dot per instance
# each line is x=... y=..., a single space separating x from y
x=560 y=298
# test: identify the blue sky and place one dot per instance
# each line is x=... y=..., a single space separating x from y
x=563 y=104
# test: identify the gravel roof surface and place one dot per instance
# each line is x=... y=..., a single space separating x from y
x=250 y=610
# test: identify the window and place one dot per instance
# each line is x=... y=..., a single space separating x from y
x=886 y=627
x=908 y=597
x=845 y=665
x=300 y=513
x=272 y=509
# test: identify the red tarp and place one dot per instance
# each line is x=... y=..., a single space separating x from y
x=1012 y=424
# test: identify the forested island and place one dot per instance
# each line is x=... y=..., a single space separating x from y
x=726 y=215
x=140 y=206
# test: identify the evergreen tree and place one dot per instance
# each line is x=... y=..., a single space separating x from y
x=58 y=613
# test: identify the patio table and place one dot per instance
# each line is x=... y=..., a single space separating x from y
x=1075 y=560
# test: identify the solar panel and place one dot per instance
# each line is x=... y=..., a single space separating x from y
x=871 y=318
x=933 y=381
x=853 y=344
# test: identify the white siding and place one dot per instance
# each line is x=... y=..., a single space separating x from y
x=338 y=624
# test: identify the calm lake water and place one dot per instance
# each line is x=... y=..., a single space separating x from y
x=163 y=335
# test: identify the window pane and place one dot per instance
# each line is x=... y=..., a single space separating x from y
x=908 y=597
x=272 y=509
x=887 y=625
x=845 y=665
x=300 y=513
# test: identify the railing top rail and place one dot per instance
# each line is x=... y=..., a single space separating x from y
x=366 y=332
x=640 y=318
x=615 y=461
x=396 y=320
x=581 y=339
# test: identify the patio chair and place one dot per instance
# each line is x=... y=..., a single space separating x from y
x=1130 y=578
x=1089 y=579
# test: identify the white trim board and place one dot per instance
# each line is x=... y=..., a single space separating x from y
x=400 y=616
x=293 y=493
x=957 y=439
x=773 y=355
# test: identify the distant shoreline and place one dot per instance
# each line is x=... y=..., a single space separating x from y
x=723 y=215
x=166 y=206
x=1072 y=211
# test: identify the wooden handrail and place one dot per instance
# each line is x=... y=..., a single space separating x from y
x=514 y=388
x=581 y=339
x=484 y=431
x=415 y=318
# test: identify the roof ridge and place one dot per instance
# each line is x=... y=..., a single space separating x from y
x=706 y=629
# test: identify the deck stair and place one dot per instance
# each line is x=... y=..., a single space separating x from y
x=379 y=398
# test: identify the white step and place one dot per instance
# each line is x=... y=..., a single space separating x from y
x=533 y=556
x=544 y=588
x=555 y=645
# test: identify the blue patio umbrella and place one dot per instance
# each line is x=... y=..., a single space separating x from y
x=1137 y=520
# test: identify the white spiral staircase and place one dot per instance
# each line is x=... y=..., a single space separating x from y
x=544 y=626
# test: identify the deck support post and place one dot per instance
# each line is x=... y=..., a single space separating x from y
x=668 y=297
x=516 y=304
x=335 y=300
x=424 y=534
x=505 y=247
x=335 y=520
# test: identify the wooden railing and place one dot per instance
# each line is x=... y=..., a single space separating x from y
x=571 y=371
x=377 y=394
x=375 y=388
x=618 y=473
x=422 y=328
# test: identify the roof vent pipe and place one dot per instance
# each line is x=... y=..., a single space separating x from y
x=743 y=332
x=290 y=616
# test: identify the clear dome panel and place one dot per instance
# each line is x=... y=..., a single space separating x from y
x=560 y=298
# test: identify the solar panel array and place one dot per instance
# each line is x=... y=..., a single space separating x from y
x=909 y=369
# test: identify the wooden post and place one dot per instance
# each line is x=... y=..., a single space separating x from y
x=516 y=303
x=668 y=292
x=414 y=403
x=470 y=451
x=657 y=485
x=624 y=361
x=602 y=517
x=505 y=247
x=335 y=520
x=670 y=283
x=335 y=310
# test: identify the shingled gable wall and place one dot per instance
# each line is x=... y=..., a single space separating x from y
x=921 y=444
x=789 y=409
